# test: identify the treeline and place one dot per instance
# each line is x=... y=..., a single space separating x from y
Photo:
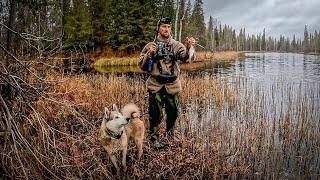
x=225 y=38
x=126 y=26
x=122 y=26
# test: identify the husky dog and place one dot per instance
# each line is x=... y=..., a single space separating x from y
x=116 y=130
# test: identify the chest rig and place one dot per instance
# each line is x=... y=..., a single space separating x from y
x=166 y=62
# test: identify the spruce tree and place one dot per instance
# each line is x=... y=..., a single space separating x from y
x=197 y=25
x=306 y=40
x=78 y=29
x=186 y=32
x=210 y=35
x=263 y=40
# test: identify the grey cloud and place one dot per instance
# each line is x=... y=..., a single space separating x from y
x=286 y=17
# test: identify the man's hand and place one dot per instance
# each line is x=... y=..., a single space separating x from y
x=152 y=48
x=190 y=41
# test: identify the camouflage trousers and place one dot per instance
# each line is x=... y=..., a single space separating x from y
x=157 y=102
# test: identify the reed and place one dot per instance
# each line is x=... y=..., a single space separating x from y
x=117 y=61
x=200 y=56
x=219 y=55
x=230 y=128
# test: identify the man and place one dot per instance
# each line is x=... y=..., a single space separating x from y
x=160 y=58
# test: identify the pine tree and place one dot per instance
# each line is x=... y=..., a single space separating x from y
x=170 y=12
x=197 y=25
x=216 y=38
x=317 y=37
x=306 y=40
x=132 y=24
x=294 y=44
x=263 y=40
x=234 y=40
x=210 y=34
x=244 y=39
x=240 y=40
x=186 y=32
x=100 y=22
x=78 y=27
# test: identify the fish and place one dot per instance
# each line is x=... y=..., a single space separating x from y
x=192 y=55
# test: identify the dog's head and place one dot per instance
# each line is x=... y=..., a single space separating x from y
x=114 y=116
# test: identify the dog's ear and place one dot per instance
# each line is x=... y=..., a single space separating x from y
x=106 y=113
x=115 y=107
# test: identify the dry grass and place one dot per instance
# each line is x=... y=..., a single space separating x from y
x=220 y=56
x=200 y=56
x=229 y=130
x=117 y=61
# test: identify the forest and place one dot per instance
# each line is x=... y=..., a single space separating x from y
x=124 y=27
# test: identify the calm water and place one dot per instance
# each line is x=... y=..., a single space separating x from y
x=280 y=84
x=269 y=66
x=286 y=81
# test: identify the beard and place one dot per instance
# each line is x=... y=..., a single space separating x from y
x=165 y=35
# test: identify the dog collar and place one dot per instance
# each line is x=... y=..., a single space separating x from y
x=113 y=134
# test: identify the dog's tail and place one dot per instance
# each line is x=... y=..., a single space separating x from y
x=130 y=111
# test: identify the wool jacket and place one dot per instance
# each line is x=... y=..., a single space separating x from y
x=180 y=53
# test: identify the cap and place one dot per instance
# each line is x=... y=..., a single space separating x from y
x=165 y=20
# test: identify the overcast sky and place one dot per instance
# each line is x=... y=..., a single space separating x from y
x=286 y=17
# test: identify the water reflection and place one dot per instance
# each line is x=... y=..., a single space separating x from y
x=294 y=67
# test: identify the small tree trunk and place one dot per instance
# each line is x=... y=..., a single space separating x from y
x=62 y=25
x=12 y=16
x=181 y=22
x=176 y=21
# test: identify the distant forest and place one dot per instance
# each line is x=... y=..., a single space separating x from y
x=126 y=26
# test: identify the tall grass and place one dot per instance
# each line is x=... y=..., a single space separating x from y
x=230 y=128
x=200 y=56
x=117 y=61
x=219 y=55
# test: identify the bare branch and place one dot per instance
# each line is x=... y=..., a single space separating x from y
x=27 y=36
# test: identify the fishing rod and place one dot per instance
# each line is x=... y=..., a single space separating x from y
x=200 y=46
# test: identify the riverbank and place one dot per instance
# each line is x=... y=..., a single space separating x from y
x=200 y=56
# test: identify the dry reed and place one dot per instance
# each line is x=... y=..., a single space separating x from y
x=231 y=128
x=200 y=56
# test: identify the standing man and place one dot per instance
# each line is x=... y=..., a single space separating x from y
x=160 y=58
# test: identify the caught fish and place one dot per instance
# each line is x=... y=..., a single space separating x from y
x=192 y=55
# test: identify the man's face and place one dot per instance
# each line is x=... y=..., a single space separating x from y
x=165 y=30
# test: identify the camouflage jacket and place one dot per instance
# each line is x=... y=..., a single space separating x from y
x=166 y=65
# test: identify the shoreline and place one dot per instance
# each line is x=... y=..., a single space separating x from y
x=200 y=57
x=311 y=53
